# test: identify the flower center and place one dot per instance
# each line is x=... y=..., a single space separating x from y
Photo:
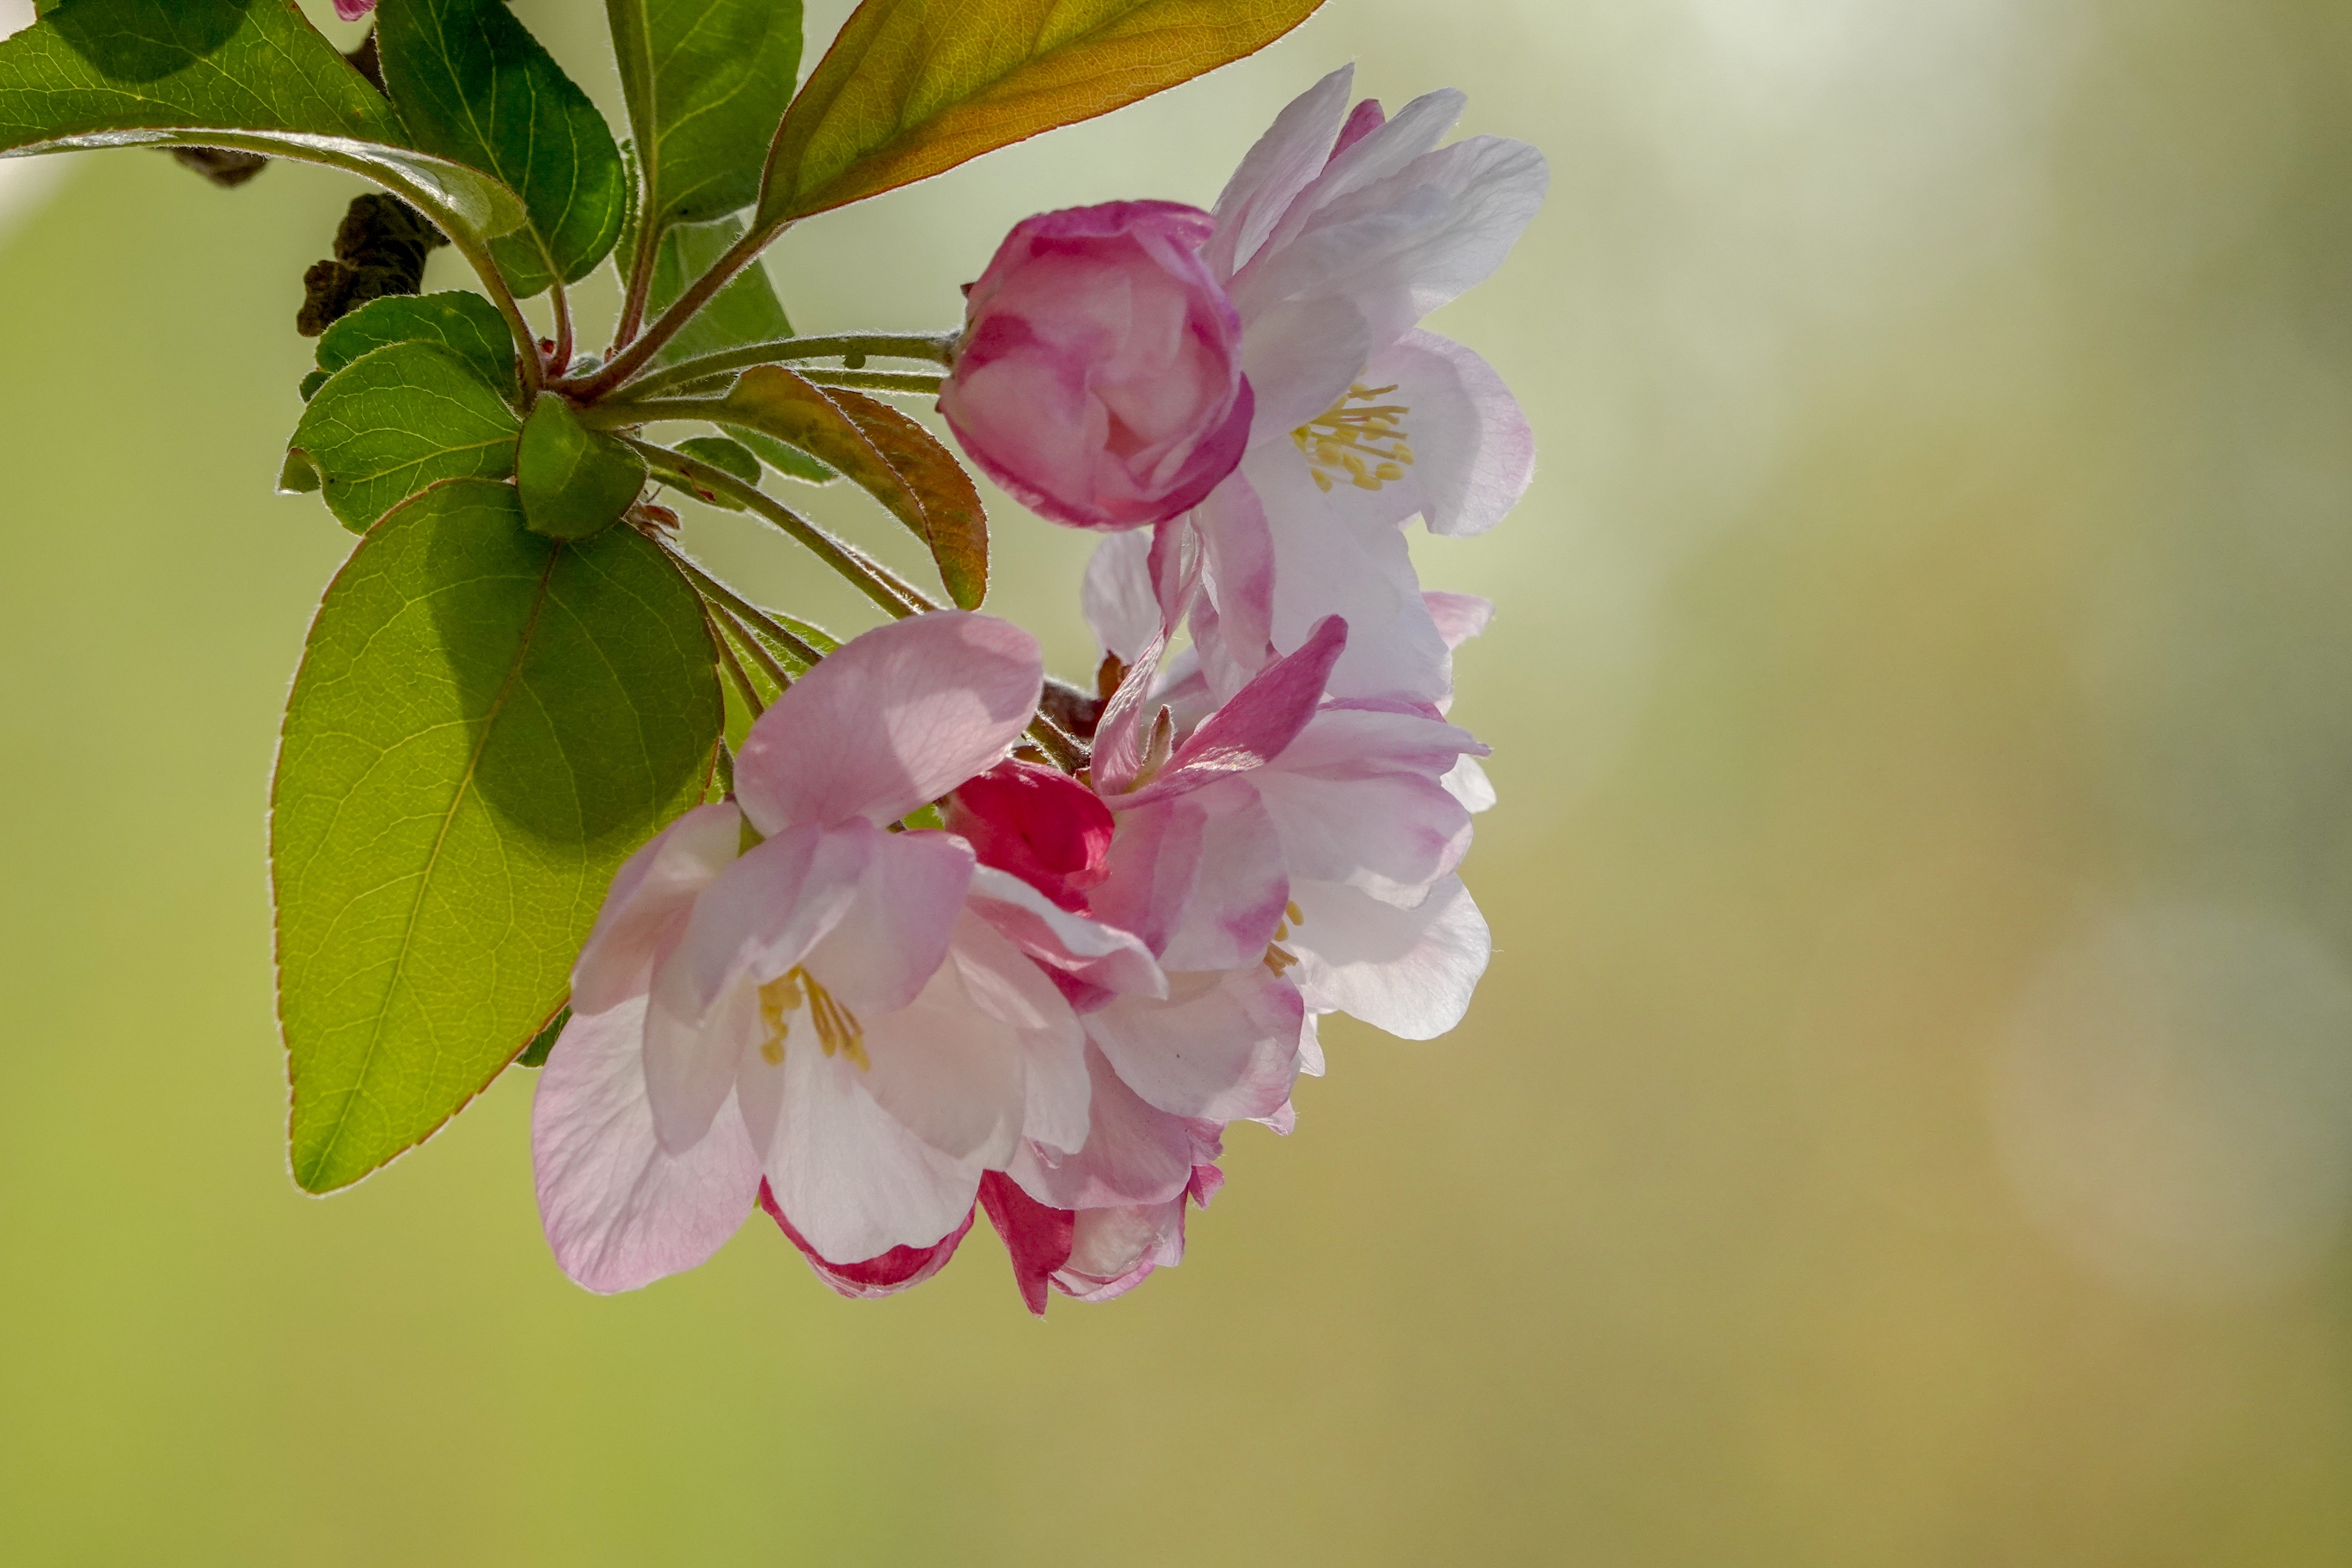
x=837 y=1028
x=1278 y=957
x=1363 y=445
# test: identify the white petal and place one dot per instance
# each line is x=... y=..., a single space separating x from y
x=619 y=1212
x=1120 y=601
x=1392 y=836
x=1274 y=170
x=1474 y=453
x=1132 y=1153
x=646 y=907
x=1005 y=984
x=892 y=936
x=854 y=1180
x=1410 y=972
x=1467 y=783
x=949 y=1070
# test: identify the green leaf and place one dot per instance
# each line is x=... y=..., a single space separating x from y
x=485 y=725
x=476 y=87
x=311 y=384
x=466 y=324
x=881 y=450
x=729 y=455
x=534 y=1054
x=745 y=311
x=912 y=88
x=396 y=420
x=575 y=481
x=787 y=460
x=707 y=83
x=247 y=74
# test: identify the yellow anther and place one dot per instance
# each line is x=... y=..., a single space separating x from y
x=1359 y=439
x=837 y=1028
x=1290 y=910
x=1278 y=959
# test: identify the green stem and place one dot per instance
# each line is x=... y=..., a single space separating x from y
x=641 y=287
x=759 y=651
x=907 y=380
x=870 y=577
x=719 y=594
x=701 y=292
x=744 y=687
x=939 y=348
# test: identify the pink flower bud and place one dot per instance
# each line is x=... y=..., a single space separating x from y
x=1046 y=828
x=353 y=10
x=1100 y=378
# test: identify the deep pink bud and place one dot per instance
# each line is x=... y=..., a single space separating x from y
x=353 y=10
x=1099 y=379
x=1041 y=825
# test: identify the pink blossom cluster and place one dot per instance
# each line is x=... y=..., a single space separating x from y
x=1051 y=1009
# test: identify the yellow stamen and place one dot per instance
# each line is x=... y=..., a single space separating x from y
x=837 y=1028
x=1291 y=909
x=1278 y=959
x=1363 y=445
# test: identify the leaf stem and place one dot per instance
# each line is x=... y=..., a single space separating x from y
x=641 y=287
x=869 y=577
x=732 y=665
x=907 y=381
x=527 y=360
x=562 y=359
x=701 y=292
x=719 y=594
x=759 y=651
x=939 y=348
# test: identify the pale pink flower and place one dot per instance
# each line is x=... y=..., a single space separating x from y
x=1321 y=836
x=824 y=1008
x=1339 y=231
x=1099 y=379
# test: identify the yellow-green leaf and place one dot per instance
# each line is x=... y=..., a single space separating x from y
x=912 y=88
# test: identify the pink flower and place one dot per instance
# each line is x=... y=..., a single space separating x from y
x=1339 y=232
x=1100 y=378
x=778 y=989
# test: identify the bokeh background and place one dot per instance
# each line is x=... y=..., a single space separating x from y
x=1909 y=1116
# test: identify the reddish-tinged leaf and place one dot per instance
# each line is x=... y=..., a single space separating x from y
x=885 y=453
x=912 y=88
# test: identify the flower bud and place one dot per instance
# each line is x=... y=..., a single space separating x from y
x=1099 y=380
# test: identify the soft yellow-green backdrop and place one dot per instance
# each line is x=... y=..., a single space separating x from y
x=1908 y=1119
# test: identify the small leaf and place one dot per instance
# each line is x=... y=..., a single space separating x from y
x=248 y=75
x=474 y=86
x=745 y=311
x=485 y=725
x=534 y=1054
x=575 y=481
x=881 y=450
x=310 y=384
x=299 y=476
x=707 y=83
x=729 y=457
x=466 y=324
x=396 y=420
x=912 y=88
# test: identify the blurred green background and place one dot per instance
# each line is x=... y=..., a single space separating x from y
x=1909 y=1116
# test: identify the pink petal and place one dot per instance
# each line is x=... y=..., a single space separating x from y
x=1008 y=987
x=1200 y=879
x=618 y=1210
x=1038 y=1237
x=1263 y=718
x=1038 y=825
x=1474 y=453
x=1133 y=1153
x=951 y=1072
x=1391 y=837
x=1362 y=121
x=757 y=919
x=1410 y=972
x=873 y=1278
x=646 y=907
x=1113 y=1250
x=1459 y=617
x=1118 y=599
x=898 y=716
x=1223 y=1046
x=894 y=934
x=1102 y=955
x=855 y=1179
x=1237 y=569
x=1119 y=735
x=353 y=10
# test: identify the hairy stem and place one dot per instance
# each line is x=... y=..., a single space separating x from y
x=719 y=594
x=701 y=292
x=939 y=348
x=907 y=381
x=641 y=288
x=727 y=661
x=560 y=360
x=758 y=650
x=1068 y=753
x=869 y=577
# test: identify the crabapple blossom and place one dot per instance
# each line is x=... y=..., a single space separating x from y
x=1100 y=378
